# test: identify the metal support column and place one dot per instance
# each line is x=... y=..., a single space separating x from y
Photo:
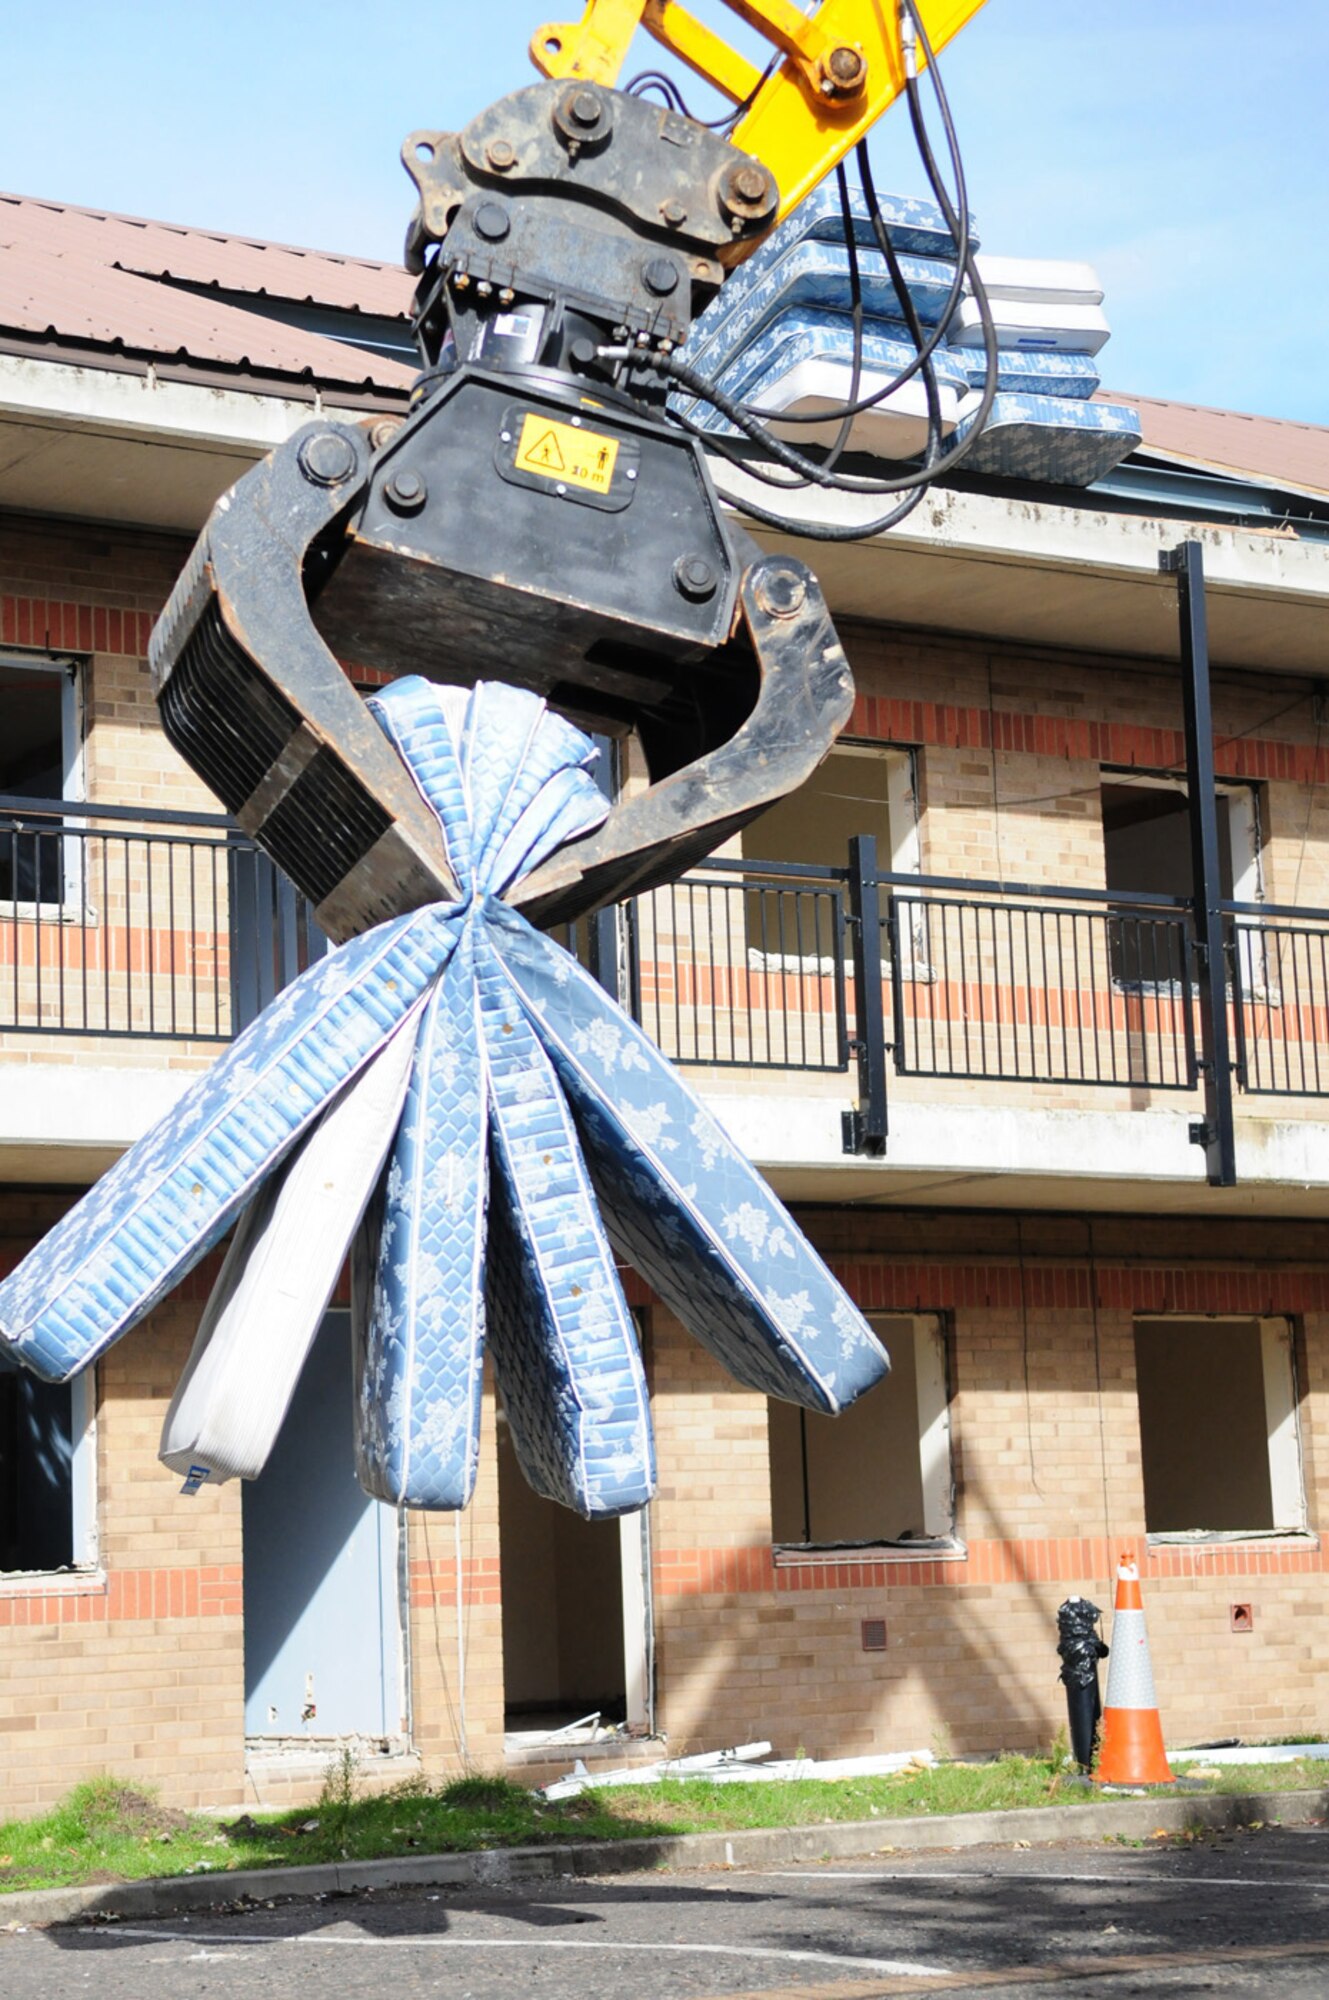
x=865 y=1128
x=1215 y=1131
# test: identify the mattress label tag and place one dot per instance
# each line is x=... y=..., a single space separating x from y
x=566 y=453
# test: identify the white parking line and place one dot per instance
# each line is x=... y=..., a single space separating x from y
x=1123 y=1881
x=899 y=1968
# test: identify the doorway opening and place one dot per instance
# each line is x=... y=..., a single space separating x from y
x=323 y=1648
x=576 y=1615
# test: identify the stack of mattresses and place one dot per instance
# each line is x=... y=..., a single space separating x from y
x=779 y=339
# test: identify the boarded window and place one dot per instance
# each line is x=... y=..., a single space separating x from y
x=881 y=1472
x=1219 y=1441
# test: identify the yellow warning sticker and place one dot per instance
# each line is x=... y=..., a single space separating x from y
x=566 y=453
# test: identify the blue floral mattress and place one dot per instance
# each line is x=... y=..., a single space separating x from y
x=174 y=1194
x=808 y=275
x=779 y=339
x=1031 y=372
x=916 y=228
x=803 y=359
x=1051 y=441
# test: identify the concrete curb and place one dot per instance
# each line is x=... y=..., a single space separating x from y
x=1134 y=1818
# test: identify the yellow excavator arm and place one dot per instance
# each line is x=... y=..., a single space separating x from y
x=831 y=76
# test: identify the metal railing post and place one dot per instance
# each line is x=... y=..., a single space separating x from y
x=865 y=1128
x=604 y=955
x=242 y=895
x=1215 y=1132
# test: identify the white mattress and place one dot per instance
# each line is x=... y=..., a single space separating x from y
x=1051 y=327
x=278 y=1277
x=1040 y=281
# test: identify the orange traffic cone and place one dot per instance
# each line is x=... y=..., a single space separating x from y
x=1132 y=1751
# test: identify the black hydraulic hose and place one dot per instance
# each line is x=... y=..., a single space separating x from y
x=856 y=318
x=915 y=482
x=926 y=348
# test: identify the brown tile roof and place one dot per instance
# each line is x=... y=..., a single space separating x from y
x=1287 y=454
x=85 y=278
x=82 y=277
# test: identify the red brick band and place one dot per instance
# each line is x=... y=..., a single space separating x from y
x=74 y=628
x=1074 y=738
x=886 y=1285
x=97 y=628
x=1086 y=1560
x=218 y=1591
x=211 y=1591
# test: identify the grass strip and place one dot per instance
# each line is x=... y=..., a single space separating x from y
x=108 y=1830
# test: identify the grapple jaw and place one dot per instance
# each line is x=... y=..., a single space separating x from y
x=427 y=555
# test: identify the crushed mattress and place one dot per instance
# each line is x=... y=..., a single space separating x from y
x=452 y=1100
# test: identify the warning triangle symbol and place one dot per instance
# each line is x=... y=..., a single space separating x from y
x=545 y=452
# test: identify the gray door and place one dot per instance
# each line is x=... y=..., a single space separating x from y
x=322 y=1651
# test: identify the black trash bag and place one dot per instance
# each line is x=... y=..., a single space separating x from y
x=1081 y=1649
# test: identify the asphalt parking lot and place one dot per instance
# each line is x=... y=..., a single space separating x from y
x=1240 y=1913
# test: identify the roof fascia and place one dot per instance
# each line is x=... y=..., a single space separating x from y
x=145 y=403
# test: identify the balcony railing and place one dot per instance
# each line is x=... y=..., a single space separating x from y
x=754 y=964
x=1279 y=972
x=1094 y=990
x=742 y=966
x=124 y=921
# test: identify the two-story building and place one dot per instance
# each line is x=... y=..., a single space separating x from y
x=1054 y=1116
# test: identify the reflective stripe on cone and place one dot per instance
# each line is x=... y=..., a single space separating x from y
x=1132 y=1750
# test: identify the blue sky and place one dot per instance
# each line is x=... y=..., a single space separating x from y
x=1178 y=145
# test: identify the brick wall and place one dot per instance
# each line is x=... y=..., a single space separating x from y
x=457 y=1637
x=1015 y=741
x=95 y=594
x=140 y=1669
x=137 y=1667
x=1046 y=1454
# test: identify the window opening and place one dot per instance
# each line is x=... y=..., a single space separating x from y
x=46 y=1480
x=1219 y=1435
x=880 y=1472
x=39 y=759
x=861 y=788
x=1147 y=849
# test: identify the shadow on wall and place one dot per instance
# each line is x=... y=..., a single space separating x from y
x=789 y=1665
